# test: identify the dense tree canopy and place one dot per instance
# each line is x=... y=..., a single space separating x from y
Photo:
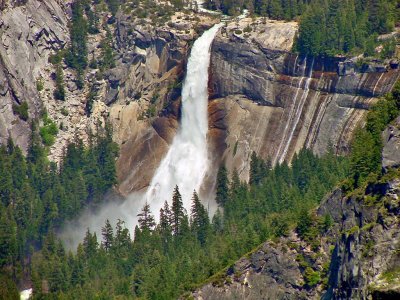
x=326 y=27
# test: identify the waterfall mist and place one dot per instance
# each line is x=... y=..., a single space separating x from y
x=185 y=164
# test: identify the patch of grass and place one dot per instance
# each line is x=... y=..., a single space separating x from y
x=392 y=276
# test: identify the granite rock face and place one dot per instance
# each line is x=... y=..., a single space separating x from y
x=361 y=249
x=275 y=102
x=29 y=32
x=391 y=146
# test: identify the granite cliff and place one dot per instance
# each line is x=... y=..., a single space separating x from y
x=266 y=99
x=263 y=98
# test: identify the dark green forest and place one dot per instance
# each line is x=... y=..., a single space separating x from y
x=183 y=250
x=37 y=195
x=327 y=27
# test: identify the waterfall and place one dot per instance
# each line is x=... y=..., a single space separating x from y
x=186 y=162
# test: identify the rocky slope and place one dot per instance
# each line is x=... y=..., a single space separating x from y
x=139 y=96
x=267 y=100
x=357 y=257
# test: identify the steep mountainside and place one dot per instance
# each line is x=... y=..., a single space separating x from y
x=268 y=100
x=264 y=98
x=362 y=250
x=355 y=255
x=29 y=33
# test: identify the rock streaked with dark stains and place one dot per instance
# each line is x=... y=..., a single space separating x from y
x=254 y=70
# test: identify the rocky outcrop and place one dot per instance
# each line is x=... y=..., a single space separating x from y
x=391 y=146
x=273 y=102
x=358 y=257
x=29 y=32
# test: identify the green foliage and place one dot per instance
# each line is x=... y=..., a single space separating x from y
x=311 y=277
x=8 y=289
x=327 y=28
x=89 y=100
x=48 y=131
x=21 y=110
x=56 y=58
x=222 y=186
x=36 y=197
x=39 y=84
x=365 y=158
x=330 y=28
x=76 y=55
x=107 y=60
x=59 y=92
x=113 y=6
x=175 y=255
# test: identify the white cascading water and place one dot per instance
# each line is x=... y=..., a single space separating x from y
x=186 y=162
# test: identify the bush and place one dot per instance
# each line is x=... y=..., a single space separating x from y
x=21 y=110
x=311 y=277
x=247 y=29
x=56 y=58
x=49 y=131
x=59 y=92
x=39 y=84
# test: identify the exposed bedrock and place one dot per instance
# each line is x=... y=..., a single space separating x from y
x=361 y=249
x=268 y=100
x=29 y=32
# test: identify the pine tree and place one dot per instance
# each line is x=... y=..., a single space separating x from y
x=108 y=236
x=90 y=244
x=199 y=219
x=146 y=218
x=165 y=219
x=178 y=212
x=217 y=222
x=222 y=186
x=122 y=238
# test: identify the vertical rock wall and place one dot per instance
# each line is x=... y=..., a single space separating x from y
x=268 y=100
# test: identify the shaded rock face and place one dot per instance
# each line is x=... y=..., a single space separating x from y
x=301 y=101
x=369 y=245
x=29 y=32
x=391 y=146
x=361 y=247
